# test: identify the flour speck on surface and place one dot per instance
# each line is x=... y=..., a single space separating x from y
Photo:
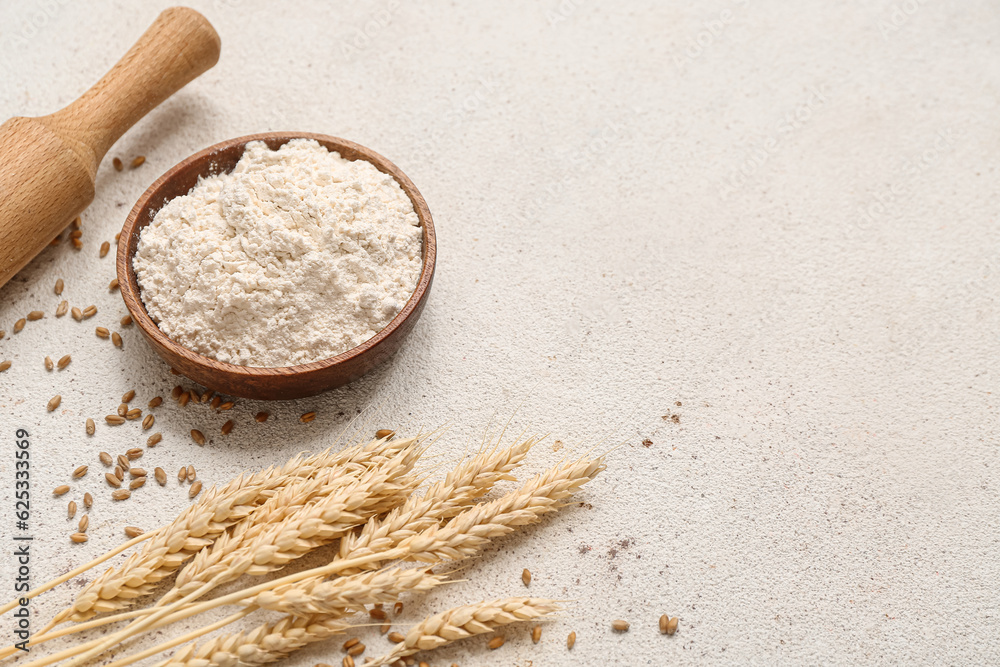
x=295 y=256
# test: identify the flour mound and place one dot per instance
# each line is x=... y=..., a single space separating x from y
x=295 y=256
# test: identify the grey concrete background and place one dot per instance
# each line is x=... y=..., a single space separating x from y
x=775 y=221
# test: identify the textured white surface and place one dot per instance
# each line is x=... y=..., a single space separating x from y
x=791 y=229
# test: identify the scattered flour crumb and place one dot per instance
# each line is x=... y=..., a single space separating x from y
x=295 y=256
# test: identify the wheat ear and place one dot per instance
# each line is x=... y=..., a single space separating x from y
x=205 y=520
x=460 y=538
x=466 y=621
x=340 y=598
x=350 y=593
x=289 y=536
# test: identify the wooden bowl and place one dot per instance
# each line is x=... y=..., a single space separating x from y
x=268 y=383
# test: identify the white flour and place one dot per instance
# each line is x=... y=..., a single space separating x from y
x=295 y=256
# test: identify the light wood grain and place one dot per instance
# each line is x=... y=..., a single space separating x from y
x=48 y=164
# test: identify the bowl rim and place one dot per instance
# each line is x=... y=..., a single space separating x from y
x=130 y=291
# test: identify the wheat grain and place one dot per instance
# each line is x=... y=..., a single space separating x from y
x=90 y=426
x=128 y=396
x=79 y=538
x=84 y=523
x=49 y=364
x=138 y=161
x=191 y=473
x=116 y=339
x=88 y=500
x=125 y=320
x=121 y=494
x=198 y=437
x=154 y=440
x=77 y=314
x=105 y=458
x=19 y=325
x=117 y=162
x=35 y=315
x=64 y=362
x=62 y=308
x=160 y=475
x=4 y=365
x=80 y=472
x=155 y=402
x=194 y=490
x=466 y=621
x=59 y=287
x=71 y=509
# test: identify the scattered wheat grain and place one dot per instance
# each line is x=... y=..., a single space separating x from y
x=49 y=364
x=176 y=392
x=80 y=471
x=154 y=440
x=60 y=490
x=570 y=640
x=124 y=462
x=138 y=161
x=495 y=643
x=198 y=437
x=128 y=396
x=526 y=576
x=88 y=500
x=102 y=332
x=4 y=365
x=618 y=625
x=89 y=311
x=228 y=405
x=307 y=417
x=121 y=494
x=71 y=509
x=125 y=320
x=536 y=634
x=672 y=625
x=134 y=453
x=112 y=479
x=116 y=339
x=147 y=423
x=133 y=414
x=184 y=398
x=353 y=641
x=384 y=433
x=62 y=308
x=54 y=402
x=119 y=473
x=182 y=474
x=63 y=361
x=194 y=490
x=191 y=473
x=227 y=427
x=132 y=531
x=77 y=314
x=137 y=472
x=79 y=538
x=91 y=427
x=216 y=402
x=84 y=523
x=161 y=476
x=19 y=325
x=137 y=482
x=105 y=458
x=356 y=650
x=155 y=402
x=105 y=247
x=35 y=315
x=114 y=420
x=59 y=287
x=261 y=417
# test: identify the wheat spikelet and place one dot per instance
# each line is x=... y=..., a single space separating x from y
x=202 y=522
x=348 y=594
x=466 y=621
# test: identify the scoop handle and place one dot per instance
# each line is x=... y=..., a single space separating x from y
x=180 y=45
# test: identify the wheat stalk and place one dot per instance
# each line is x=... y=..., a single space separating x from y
x=468 y=481
x=466 y=621
x=466 y=533
x=266 y=643
x=350 y=593
x=460 y=538
x=283 y=536
x=285 y=528
x=205 y=520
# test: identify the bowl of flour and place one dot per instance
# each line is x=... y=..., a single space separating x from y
x=278 y=265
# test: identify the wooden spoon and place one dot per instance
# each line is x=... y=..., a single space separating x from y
x=48 y=164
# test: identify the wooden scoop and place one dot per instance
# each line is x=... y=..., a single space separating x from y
x=48 y=164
